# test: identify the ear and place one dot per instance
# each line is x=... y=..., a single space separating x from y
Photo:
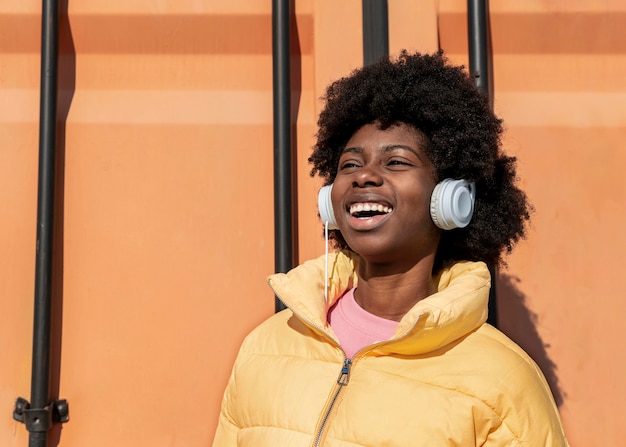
x=325 y=205
x=452 y=203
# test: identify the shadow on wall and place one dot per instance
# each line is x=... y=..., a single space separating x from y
x=520 y=324
x=295 y=57
x=66 y=84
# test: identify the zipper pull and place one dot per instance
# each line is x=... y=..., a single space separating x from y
x=344 y=375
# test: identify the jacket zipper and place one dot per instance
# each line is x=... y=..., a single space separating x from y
x=344 y=375
x=342 y=381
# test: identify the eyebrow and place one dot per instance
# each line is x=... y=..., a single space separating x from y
x=387 y=148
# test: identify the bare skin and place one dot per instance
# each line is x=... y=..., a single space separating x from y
x=381 y=197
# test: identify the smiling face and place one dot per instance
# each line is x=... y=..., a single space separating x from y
x=381 y=195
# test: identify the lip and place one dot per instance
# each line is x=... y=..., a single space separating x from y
x=367 y=223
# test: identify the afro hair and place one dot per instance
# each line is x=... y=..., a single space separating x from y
x=462 y=138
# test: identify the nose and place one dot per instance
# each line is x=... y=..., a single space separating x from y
x=368 y=175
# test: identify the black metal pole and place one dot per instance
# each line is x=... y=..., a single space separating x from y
x=478 y=40
x=40 y=413
x=480 y=67
x=375 y=30
x=40 y=416
x=283 y=196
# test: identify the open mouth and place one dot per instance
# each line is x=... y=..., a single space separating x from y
x=365 y=210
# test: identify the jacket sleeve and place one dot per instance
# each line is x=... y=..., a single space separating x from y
x=530 y=416
x=227 y=427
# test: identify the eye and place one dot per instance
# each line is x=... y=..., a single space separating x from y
x=399 y=162
x=348 y=164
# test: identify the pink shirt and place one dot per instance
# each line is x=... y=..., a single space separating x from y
x=355 y=327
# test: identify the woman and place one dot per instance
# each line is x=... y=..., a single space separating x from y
x=384 y=342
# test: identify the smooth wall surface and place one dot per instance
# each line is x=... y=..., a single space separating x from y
x=164 y=232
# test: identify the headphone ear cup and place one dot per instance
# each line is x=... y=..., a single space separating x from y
x=452 y=204
x=325 y=206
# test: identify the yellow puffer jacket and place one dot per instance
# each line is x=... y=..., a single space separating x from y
x=446 y=378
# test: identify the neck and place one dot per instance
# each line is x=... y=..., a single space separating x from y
x=390 y=291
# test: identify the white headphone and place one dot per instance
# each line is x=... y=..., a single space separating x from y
x=325 y=207
x=451 y=204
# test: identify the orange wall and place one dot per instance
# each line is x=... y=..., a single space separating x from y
x=166 y=234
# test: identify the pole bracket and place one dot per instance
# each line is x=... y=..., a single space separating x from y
x=41 y=419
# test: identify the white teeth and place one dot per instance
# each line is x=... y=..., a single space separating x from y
x=360 y=207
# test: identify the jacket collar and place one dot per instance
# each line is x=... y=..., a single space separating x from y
x=458 y=308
